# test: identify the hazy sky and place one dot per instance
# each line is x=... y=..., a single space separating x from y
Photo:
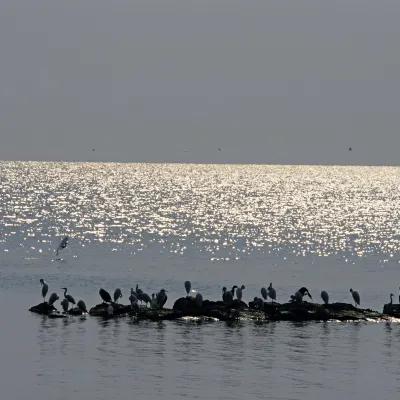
x=267 y=81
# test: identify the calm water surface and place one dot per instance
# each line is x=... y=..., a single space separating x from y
x=329 y=228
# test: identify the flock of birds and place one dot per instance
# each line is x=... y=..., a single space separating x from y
x=157 y=301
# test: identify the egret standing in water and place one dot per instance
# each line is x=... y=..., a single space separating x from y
x=68 y=296
x=356 y=297
x=117 y=295
x=325 y=297
x=188 y=286
x=45 y=289
x=52 y=299
x=63 y=244
x=271 y=292
x=239 y=292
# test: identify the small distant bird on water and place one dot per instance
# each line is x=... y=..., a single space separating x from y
x=349 y=148
x=356 y=296
x=45 y=289
x=63 y=244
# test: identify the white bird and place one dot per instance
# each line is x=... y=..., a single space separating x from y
x=63 y=244
x=264 y=293
x=356 y=296
x=199 y=299
x=52 y=299
x=110 y=310
x=188 y=286
x=45 y=289
x=239 y=292
x=117 y=295
x=68 y=296
x=65 y=305
x=325 y=297
x=82 y=306
x=271 y=292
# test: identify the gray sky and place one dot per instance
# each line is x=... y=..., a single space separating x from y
x=268 y=81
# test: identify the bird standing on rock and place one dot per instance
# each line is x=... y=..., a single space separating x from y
x=68 y=296
x=161 y=298
x=117 y=295
x=82 y=306
x=65 y=305
x=325 y=297
x=52 y=299
x=271 y=292
x=188 y=286
x=239 y=292
x=356 y=297
x=45 y=289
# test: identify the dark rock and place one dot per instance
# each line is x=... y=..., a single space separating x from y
x=392 y=309
x=43 y=309
x=101 y=310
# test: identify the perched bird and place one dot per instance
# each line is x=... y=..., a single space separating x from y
x=271 y=292
x=117 y=295
x=65 y=305
x=82 y=306
x=264 y=293
x=239 y=292
x=259 y=303
x=391 y=298
x=233 y=291
x=146 y=298
x=52 y=299
x=199 y=299
x=110 y=310
x=228 y=296
x=161 y=298
x=188 y=286
x=304 y=291
x=224 y=291
x=139 y=293
x=356 y=296
x=132 y=297
x=298 y=297
x=68 y=296
x=45 y=289
x=325 y=297
x=105 y=296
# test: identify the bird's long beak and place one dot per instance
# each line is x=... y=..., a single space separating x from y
x=309 y=295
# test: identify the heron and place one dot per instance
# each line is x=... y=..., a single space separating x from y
x=146 y=298
x=298 y=297
x=52 y=299
x=228 y=296
x=45 y=289
x=132 y=297
x=65 y=305
x=271 y=292
x=233 y=290
x=139 y=293
x=264 y=293
x=161 y=298
x=239 y=292
x=304 y=291
x=356 y=297
x=82 y=306
x=199 y=299
x=110 y=311
x=105 y=296
x=224 y=291
x=188 y=286
x=63 y=244
x=117 y=295
x=325 y=297
x=391 y=298
x=68 y=296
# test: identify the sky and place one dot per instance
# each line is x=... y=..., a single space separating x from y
x=275 y=82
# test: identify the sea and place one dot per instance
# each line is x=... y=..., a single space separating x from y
x=157 y=225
